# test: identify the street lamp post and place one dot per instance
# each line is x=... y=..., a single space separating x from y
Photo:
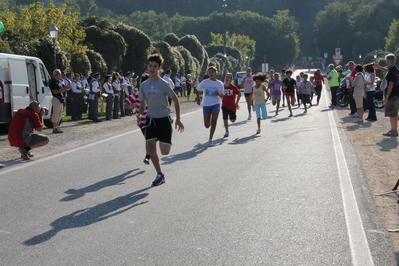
x=224 y=38
x=360 y=58
x=375 y=58
x=54 y=34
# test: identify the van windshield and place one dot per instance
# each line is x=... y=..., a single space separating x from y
x=241 y=74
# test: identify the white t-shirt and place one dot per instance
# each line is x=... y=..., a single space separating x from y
x=209 y=87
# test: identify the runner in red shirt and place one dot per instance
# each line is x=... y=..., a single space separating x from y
x=230 y=102
x=318 y=81
x=23 y=123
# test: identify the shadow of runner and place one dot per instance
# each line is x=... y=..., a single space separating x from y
x=91 y=215
x=388 y=144
x=117 y=180
x=199 y=148
x=244 y=140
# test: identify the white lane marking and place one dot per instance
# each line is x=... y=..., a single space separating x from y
x=360 y=250
x=31 y=163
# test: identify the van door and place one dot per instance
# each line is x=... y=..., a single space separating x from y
x=44 y=94
x=33 y=89
x=19 y=84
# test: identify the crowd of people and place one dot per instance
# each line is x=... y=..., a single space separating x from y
x=152 y=102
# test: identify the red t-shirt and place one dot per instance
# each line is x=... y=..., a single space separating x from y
x=229 y=98
x=23 y=123
x=318 y=79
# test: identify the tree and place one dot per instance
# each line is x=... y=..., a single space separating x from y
x=138 y=47
x=97 y=62
x=34 y=21
x=392 y=41
x=241 y=42
x=110 y=44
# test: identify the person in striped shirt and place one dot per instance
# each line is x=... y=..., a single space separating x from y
x=133 y=102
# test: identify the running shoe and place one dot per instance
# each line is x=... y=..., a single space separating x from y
x=210 y=143
x=258 y=131
x=249 y=117
x=355 y=115
x=57 y=130
x=391 y=133
x=305 y=111
x=226 y=135
x=359 y=121
x=159 y=180
x=146 y=160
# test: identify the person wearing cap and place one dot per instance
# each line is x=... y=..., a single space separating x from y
x=94 y=88
x=77 y=97
x=22 y=125
x=127 y=89
x=58 y=88
x=107 y=86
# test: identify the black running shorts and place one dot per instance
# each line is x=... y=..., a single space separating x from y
x=159 y=129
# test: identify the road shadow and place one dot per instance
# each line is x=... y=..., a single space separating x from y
x=13 y=162
x=244 y=140
x=88 y=216
x=387 y=144
x=113 y=181
x=280 y=119
x=198 y=149
x=357 y=126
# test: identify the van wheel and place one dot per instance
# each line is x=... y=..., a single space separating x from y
x=49 y=124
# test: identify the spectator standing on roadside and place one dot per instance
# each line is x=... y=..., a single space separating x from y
x=189 y=85
x=358 y=92
x=177 y=84
x=57 y=88
x=22 y=125
x=333 y=83
x=68 y=94
x=370 y=88
x=248 y=83
x=116 y=86
x=166 y=77
x=183 y=85
x=94 y=95
x=349 y=78
x=127 y=89
x=107 y=86
x=230 y=101
x=77 y=97
x=211 y=99
x=391 y=93
x=318 y=82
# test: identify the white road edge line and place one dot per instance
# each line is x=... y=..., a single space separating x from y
x=44 y=159
x=360 y=249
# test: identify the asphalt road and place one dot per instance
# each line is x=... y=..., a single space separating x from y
x=293 y=195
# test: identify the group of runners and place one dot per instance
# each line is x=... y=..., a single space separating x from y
x=258 y=89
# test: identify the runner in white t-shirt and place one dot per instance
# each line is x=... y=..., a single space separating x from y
x=213 y=91
x=248 y=83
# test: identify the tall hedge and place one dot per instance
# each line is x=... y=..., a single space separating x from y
x=138 y=47
x=80 y=63
x=44 y=49
x=97 y=62
x=110 y=44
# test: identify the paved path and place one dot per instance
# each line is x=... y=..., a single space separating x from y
x=292 y=195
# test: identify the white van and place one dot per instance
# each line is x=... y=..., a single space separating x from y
x=23 y=79
x=238 y=78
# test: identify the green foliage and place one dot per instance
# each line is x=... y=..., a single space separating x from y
x=172 y=39
x=97 y=62
x=138 y=46
x=235 y=60
x=100 y=22
x=392 y=41
x=44 y=49
x=110 y=44
x=241 y=42
x=80 y=63
x=196 y=49
x=5 y=47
